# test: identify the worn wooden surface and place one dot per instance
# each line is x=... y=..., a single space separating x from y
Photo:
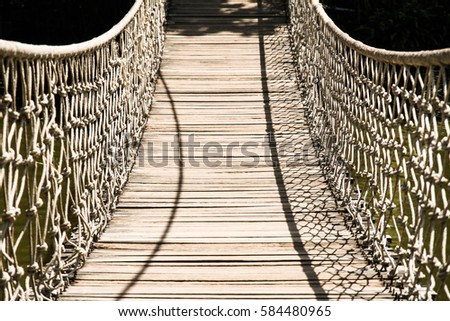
x=248 y=214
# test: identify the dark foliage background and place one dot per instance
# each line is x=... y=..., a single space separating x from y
x=57 y=22
x=389 y=24
x=394 y=24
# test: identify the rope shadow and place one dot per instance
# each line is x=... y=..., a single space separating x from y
x=313 y=279
x=333 y=267
x=329 y=255
x=160 y=243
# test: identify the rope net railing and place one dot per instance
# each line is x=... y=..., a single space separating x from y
x=380 y=120
x=71 y=118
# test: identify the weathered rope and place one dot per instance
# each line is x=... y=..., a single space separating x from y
x=71 y=118
x=381 y=120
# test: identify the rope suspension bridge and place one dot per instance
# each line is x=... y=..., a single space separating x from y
x=224 y=149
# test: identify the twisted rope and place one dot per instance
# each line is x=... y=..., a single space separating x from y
x=380 y=120
x=71 y=118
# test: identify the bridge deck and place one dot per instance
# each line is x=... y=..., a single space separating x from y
x=245 y=216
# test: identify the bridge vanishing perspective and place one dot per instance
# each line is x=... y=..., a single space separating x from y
x=224 y=149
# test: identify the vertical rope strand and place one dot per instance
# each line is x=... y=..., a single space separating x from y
x=69 y=128
x=381 y=121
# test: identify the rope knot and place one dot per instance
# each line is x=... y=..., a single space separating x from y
x=32 y=212
x=7 y=99
x=53 y=231
x=81 y=251
x=46 y=187
x=62 y=92
x=41 y=248
x=76 y=210
x=56 y=131
x=66 y=172
x=74 y=157
x=18 y=273
x=32 y=268
x=26 y=111
x=13 y=114
x=67 y=127
x=39 y=202
x=36 y=152
x=83 y=156
x=44 y=101
x=9 y=216
x=8 y=157
x=4 y=278
x=18 y=160
x=66 y=226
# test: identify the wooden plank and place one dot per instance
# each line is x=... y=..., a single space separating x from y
x=221 y=248
x=188 y=195
x=269 y=296
x=155 y=275
x=240 y=229
x=229 y=21
x=245 y=214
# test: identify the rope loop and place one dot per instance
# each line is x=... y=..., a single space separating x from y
x=382 y=122
x=65 y=109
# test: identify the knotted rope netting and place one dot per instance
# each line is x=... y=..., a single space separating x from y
x=71 y=118
x=381 y=123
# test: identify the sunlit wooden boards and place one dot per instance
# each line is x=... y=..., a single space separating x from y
x=226 y=199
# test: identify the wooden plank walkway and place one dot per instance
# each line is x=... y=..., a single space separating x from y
x=248 y=214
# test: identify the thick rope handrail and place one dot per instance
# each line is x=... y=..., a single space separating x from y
x=71 y=118
x=414 y=58
x=16 y=49
x=381 y=123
